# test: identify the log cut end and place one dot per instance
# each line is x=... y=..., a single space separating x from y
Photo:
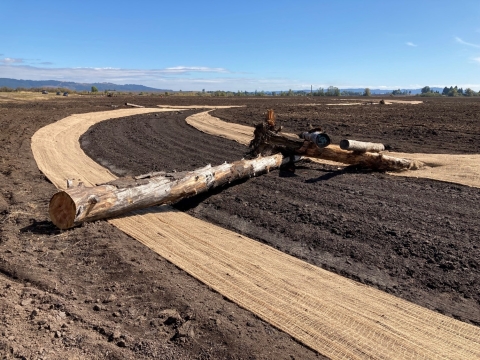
x=62 y=210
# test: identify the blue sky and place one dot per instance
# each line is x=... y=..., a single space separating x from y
x=243 y=45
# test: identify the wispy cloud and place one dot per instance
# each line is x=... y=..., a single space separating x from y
x=460 y=41
x=177 y=77
x=11 y=61
x=411 y=44
x=189 y=69
x=477 y=59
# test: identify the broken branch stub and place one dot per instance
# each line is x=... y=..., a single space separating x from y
x=80 y=204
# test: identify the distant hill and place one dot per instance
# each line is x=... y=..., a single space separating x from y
x=29 y=84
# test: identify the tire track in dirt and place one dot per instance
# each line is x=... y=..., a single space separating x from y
x=299 y=298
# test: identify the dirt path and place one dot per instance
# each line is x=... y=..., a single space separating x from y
x=255 y=276
x=460 y=169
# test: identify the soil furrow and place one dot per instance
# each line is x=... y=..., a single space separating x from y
x=415 y=238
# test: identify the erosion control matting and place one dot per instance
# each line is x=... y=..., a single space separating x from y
x=415 y=238
x=329 y=313
x=460 y=169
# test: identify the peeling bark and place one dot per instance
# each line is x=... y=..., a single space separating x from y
x=80 y=204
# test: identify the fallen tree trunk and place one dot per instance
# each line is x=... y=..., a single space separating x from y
x=374 y=161
x=360 y=146
x=133 y=105
x=266 y=141
x=80 y=204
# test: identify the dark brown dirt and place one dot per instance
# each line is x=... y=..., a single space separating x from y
x=93 y=292
x=415 y=238
x=444 y=125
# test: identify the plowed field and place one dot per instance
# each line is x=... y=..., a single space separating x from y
x=93 y=292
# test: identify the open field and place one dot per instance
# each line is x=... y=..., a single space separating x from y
x=22 y=96
x=415 y=238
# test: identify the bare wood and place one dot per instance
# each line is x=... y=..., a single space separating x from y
x=360 y=146
x=133 y=105
x=80 y=204
x=266 y=141
x=374 y=161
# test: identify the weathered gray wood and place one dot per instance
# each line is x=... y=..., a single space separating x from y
x=360 y=146
x=80 y=204
x=133 y=105
x=266 y=141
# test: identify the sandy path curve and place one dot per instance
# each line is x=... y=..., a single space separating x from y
x=459 y=169
x=331 y=314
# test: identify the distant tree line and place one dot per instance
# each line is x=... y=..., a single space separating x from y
x=400 y=92
x=455 y=91
x=330 y=91
x=449 y=91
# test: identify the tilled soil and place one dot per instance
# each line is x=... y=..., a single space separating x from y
x=415 y=238
x=93 y=292
x=438 y=126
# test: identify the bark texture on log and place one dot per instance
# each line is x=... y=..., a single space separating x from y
x=374 y=161
x=266 y=141
x=360 y=146
x=80 y=204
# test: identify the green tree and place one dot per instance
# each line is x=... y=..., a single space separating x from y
x=332 y=91
x=445 y=91
x=453 y=92
x=290 y=92
x=367 y=92
x=94 y=89
x=469 y=92
x=426 y=90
